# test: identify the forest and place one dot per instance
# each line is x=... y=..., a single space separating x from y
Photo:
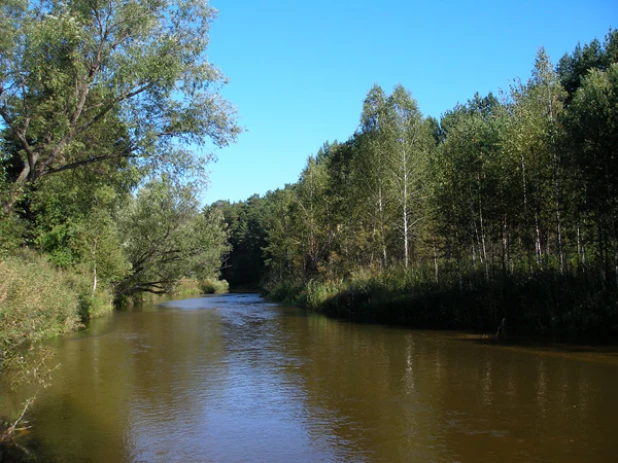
x=504 y=208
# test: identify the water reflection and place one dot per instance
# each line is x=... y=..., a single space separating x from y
x=233 y=379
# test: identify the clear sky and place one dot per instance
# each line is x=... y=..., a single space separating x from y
x=299 y=70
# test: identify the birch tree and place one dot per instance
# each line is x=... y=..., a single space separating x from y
x=372 y=167
x=409 y=166
x=549 y=98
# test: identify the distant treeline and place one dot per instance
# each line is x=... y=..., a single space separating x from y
x=505 y=207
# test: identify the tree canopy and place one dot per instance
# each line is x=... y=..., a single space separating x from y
x=109 y=110
x=89 y=81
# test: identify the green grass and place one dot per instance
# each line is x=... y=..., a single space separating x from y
x=36 y=301
x=544 y=302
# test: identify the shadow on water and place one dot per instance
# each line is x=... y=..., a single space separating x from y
x=559 y=346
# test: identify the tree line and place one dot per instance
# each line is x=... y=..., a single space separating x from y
x=109 y=112
x=504 y=207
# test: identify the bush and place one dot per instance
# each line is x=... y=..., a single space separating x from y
x=96 y=306
x=90 y=306
x=36 y=301
x=212 y=286
x=317 y=293
x=290 y=293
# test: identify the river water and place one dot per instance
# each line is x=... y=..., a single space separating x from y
x=236 y=379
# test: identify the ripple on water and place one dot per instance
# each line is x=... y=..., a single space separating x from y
x=234 y=379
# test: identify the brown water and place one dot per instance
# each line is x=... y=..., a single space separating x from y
x=234 y=379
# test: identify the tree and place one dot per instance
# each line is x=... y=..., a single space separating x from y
x=312 y=214
x=282 y=243
x=573 y=67
x=592 y=124
x=134 y=69
x=347 y=210
x=371 y=167
x=409 y=165
x=247 y=236
x=166 y=238
x=98 y=243
x=468 y=172
x=548 y=97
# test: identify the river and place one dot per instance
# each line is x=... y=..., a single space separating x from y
x=236 y=379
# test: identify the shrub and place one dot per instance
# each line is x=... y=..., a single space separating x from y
x=291 y=293
x=212 y=286
x=36 y=301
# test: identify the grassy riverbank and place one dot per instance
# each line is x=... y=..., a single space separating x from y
x=543 y=303
x=38 y=301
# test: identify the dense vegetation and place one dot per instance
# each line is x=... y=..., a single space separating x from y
x=506 y=207
x=98 y=190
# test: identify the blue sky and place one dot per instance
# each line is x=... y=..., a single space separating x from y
x=299 y=70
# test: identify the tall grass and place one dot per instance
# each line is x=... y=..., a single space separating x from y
x=545 y=301
x=37 y=301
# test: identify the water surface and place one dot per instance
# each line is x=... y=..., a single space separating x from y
x=235 y=379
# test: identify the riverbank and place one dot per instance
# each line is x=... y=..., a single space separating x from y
x=543 y=304
x=37 y=301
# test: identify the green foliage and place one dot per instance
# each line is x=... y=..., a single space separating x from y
x=212 y=286
x=505 y=207
x=72 y=220
x=186 y=288
x=93 y=302
x=547 y=302
x=12 y=231
x=280 y=254
x=84 y=83
x=593 y=124
x=165 y=238
x=97 y=98
x=572 y=68
x=247 y=235
x=36 y=299
x=285 y=291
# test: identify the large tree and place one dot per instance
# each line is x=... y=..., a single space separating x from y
x=371 y=165
x=136 y=69
x=409 y=166
x=166 y=238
